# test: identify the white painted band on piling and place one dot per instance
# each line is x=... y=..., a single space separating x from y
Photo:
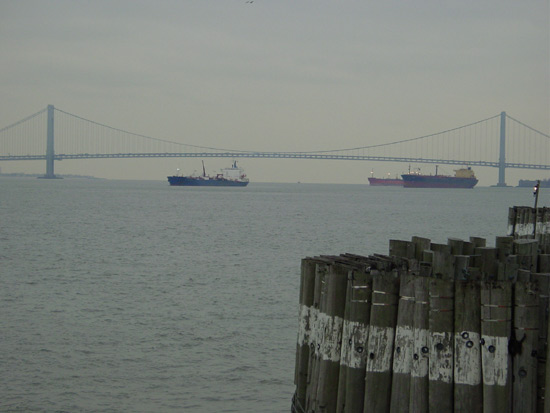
x=494 y=360
x=354 y=344
x=441 y=360
x=403 y=351
x=527 y=229
x=324 y=331
x=467 y=361
x=420 y=358
x=346 y=345
x=305 y=325
x=380 y=346
x=331 y=337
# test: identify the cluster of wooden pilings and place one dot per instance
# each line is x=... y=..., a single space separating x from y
x=455 y=327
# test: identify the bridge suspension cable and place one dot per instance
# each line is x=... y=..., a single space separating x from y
x=23 y=120
x=481 y=143
x=145 y=136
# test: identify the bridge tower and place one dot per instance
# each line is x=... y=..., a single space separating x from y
x=50 y=151
x=502 y=157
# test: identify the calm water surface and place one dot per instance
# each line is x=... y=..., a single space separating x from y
x=136 y=296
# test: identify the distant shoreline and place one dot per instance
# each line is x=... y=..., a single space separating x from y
x=25 y=175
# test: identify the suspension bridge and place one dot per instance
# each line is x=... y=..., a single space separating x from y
x=498 y=142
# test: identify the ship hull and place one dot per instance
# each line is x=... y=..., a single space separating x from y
x=385 y=182
x=437 y=181
x=190 y=181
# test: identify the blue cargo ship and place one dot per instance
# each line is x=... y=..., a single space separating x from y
x=233 y=176
x=464 y=178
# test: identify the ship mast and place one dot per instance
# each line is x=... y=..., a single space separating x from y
x=203 y=170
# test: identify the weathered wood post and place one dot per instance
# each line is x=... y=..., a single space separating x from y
x=317 y=327
x=420 y=244
x=380 y=345
x=478 y=242
x=489 y=264
x=468 y=392
x=307 y=287
x=456 y=245
x=400 y=248
x=332 y=310
x=351 y=386
x=523 y=347
x=441 y=324
x=543 y=283
x=496 y=300
x=419 y=370
x=403 y=349
x=505 y=247
x=526 y=251
x=547 y=379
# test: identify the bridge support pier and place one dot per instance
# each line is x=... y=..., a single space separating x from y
x=50 y=151
x=502 y=156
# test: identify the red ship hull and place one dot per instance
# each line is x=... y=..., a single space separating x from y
x=385 y=182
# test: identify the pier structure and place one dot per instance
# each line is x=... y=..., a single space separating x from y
x=454 y=327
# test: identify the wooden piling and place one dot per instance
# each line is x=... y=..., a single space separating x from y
x=468 y=248
x=460 y=264
x=420 y=245
x=441 y=325
x=478 y=242
x=307 y=286
x=523 y=347
x=333 y=308
x=400 y=248
x=543 y=263
x=456 y=245
x=468 y=391
x=547 y=378
x=316 y=336
x=542 y=281
x=404 y=344
x=418 y=396
x=526 y=251
x=489 y=264
x=496 y=300
x=380 y=344
x=442 y=264
x=505 y=247
x=351 y=386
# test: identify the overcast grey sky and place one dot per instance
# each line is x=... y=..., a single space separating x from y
x=275 y=75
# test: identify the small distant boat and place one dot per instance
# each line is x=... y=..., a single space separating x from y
x=544 y=183
x=233 y=176
x=385 y=181
x=464 y=178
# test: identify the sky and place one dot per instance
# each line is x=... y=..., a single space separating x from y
x=275 y=76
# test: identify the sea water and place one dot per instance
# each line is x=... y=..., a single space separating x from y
x=137 y=296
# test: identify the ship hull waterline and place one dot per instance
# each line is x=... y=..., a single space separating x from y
x=423 y=181
x=186 y=181
x=385 y=182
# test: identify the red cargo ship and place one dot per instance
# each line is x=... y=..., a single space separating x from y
x=385 y=181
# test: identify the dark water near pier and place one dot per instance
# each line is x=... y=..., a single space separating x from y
x=136 y=296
